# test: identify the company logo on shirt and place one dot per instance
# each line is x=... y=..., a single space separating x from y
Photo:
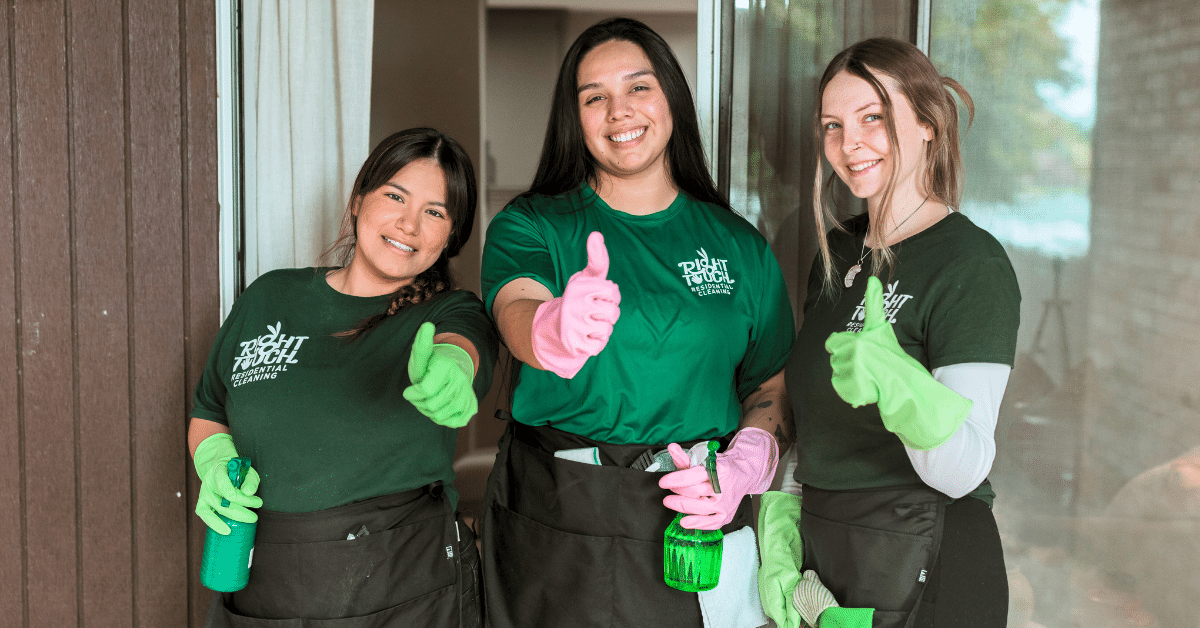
x=266 y=356
x=892 y=302
x=707 y=275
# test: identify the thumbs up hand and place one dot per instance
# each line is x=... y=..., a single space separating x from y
x=567 y=330
x=853 y=355
x=441 y=376
x=871 y=367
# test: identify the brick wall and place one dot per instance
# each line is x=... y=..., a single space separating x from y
x=1143 y=404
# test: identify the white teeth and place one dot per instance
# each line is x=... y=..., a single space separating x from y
x=863 y=166
x=398 y=245
x=628 y=135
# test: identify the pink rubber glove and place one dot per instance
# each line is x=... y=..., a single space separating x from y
x=746 y=467
x=568 y=330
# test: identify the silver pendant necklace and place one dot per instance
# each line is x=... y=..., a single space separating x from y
x=857 y=267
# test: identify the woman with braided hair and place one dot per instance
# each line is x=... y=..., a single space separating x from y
x=345 y=386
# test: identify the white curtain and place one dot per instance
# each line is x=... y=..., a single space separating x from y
x=307 y=94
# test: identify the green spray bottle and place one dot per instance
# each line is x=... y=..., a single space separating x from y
x=225 y=566
x=692 y=558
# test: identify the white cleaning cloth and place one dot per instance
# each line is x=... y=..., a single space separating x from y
x=733 y=603
x=586 y=455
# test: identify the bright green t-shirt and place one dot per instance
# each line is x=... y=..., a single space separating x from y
x=952 y=298
x=322 y=418
x=705 y=316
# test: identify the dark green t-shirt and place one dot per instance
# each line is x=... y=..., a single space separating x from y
x=952 y=298
x=705 y=316
x=322 y=418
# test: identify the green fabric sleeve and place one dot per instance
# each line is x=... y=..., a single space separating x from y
x=970 y=324
x=515 y=247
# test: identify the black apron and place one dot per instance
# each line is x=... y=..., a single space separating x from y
x=572 y=544
x=416 y=566
x=874 y=548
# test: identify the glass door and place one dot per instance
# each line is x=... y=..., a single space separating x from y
x=779 y=49
x=1082 y=161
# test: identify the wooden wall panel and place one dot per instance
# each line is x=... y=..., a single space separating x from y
x=202 y=300
x=43 y=222
x=156 y=265
x=109 y=148
x=12 y=542
x=98 y=184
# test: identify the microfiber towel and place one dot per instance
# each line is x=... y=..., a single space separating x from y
x=733 y=603
x=586 y=455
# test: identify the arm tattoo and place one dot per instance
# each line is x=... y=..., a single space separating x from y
x=782 y=435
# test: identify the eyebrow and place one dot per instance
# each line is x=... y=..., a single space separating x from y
x=866 y=106
x=627 y=77
x=401 y=188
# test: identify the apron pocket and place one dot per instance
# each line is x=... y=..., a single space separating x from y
x=546 y=577
x=348 y=578
x=889 y=619
x=585 y=498
x=435 y=608
x=641 y=597
x=880 y=569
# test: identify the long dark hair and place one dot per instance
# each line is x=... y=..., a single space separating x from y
x=931 y=96
x=566 y=162
x=391 y=155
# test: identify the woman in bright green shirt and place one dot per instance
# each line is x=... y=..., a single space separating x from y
x=643 y=312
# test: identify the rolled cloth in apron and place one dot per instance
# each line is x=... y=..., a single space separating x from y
x=874 y=548
x=415 y=566
x=567 y=543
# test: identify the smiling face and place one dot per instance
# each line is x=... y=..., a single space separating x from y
x=624 y=113
x=856 y=138
x=402 y=228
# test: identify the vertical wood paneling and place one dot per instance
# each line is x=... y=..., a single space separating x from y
x=202 y=302
x=95 y=84
x=12 y=576
x=156 y=260
x=43 y=230
x=110 y=298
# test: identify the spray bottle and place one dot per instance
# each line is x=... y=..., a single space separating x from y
x=225 y=566
x=692 y=558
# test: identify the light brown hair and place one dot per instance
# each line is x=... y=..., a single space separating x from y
x=933 y=103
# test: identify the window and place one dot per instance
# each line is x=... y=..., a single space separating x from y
x=1082 y=160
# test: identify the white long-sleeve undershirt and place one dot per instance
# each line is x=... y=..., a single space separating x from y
x=958 y=465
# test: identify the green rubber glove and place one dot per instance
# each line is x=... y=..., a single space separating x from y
x=782 y=552
x=212 y=456
x=441 y=377
x=819 y=609
x=870 y=367
x=838 y=617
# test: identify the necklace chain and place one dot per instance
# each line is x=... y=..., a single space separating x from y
x=857 y=267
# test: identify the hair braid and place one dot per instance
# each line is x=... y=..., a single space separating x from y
x=433 y=281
